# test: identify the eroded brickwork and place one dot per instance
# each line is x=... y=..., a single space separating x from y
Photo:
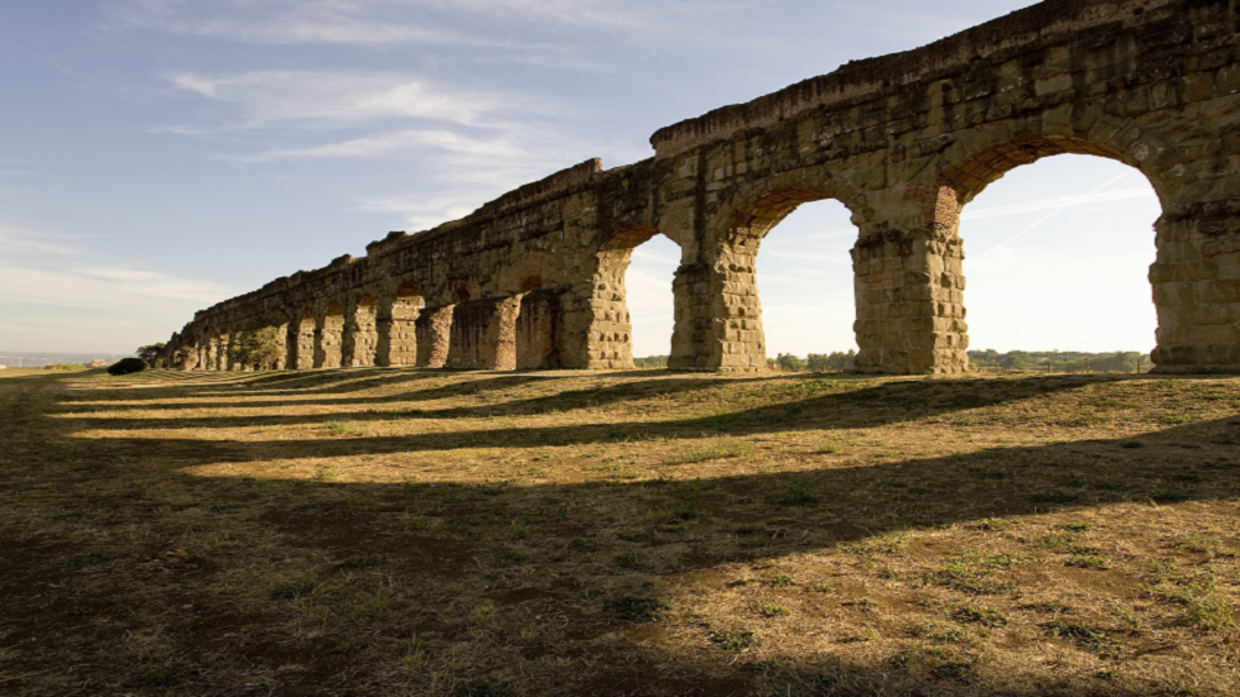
x=535 y=279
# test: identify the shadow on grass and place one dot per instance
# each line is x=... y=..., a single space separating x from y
x=753 y=518
x=806 y=404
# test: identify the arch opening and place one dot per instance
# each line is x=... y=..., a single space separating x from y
x=805 y=273
x=634 y=287
x=1058 y=253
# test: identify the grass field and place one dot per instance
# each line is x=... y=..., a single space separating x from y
x=423 y=532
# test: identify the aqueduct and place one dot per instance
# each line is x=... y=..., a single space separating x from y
x=535 y=279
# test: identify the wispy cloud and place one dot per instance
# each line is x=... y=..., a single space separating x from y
x=364 y=22
x=16 y=241
x=395 y=144
x=1060 y=203
x=270 y=97
x=42 y=269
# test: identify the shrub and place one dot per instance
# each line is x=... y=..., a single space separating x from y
x=127 y=365
x=258 y=347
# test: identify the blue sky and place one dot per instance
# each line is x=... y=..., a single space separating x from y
x=157 y=156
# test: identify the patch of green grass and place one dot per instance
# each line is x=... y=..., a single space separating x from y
x=79 y=560
x=292 y=589
x=362 y=562
x=415 y=647
x=736 y=639
x=993 y=524
x=1088 y=561
x=636 y=609
x=968 y=572
x=978 y=615
x=483 y=688
x=1208 y=546
x=1089 y=638
x=797 y=493
x=630 y=561
x=1170 y=496
x=882 y=544
x=1054 y=497
x=694 y=454
x=340 y=428
x=778 y=581
x=772 y=609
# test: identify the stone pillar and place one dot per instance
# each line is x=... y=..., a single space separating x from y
x=538 y=330
x=608 y=341
x=229 y=340
x=328 y=337
x=908 y=281
x=306 y=338
x=434 y=327
x=360 y=339
x=396 y=327
x=283 y=360
x=910 y=302
x=718 y=322
x=483 y=334
x=1196 y=284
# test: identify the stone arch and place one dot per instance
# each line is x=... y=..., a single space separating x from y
x=962 y=180
x=718 y=312
x=610 y=336
x=971 y=173
x=757 y=206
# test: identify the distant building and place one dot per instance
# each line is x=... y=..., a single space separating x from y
x=2 y=367
x=98 y=363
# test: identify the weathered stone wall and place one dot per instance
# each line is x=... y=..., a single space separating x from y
x=535 y=279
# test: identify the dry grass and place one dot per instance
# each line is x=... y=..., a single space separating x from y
x=414 y=532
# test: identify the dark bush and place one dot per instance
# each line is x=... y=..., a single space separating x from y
x=127 y=365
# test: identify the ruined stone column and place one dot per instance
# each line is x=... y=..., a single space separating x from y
x=483 y=334
x=538 y=330
x=307 y=335
x=283 y=360
x=1196 y=281
x=718 y=323
x=608 y=342
x=396 y=327
x=434 y=327
x=909 y=286
x=360 y=339
x=328 y=337
x=229 y=340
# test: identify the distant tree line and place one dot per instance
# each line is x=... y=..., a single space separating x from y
x=988 y=360
x=650 y=362
x=1060 y=361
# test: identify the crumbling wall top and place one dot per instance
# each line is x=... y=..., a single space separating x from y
x=859 y=78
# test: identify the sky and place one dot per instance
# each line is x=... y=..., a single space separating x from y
x=159 y=156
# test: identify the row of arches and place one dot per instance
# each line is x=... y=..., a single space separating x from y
x=897 y=286
x=514 y=332
x=1059 y=254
